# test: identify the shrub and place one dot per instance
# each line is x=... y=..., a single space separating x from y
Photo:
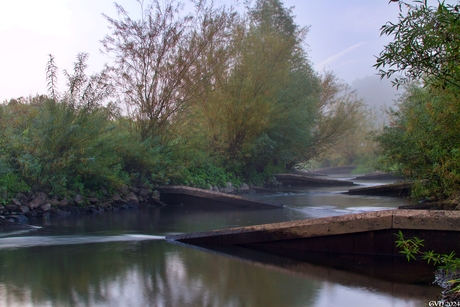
x=422 y=142
x=448 y=273
x=10 y=182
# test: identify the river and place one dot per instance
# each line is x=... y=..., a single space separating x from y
x=123 y=259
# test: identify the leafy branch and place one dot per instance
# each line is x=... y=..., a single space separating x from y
x=425 y=45
x=51 y=77
x=449 y=263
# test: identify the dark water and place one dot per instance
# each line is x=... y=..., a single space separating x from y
x=122 y=259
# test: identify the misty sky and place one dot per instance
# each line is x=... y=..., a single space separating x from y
x=344 y=37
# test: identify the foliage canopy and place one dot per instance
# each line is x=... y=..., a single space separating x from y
x=426 y=45
x=422 y=141
x=190 y=98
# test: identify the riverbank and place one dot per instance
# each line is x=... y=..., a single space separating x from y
x=188 y=217
x=27 y=207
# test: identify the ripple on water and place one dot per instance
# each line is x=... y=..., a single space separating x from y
x=30 y=241
x=368 y=209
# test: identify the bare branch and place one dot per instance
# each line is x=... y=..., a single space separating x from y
x=51 y=77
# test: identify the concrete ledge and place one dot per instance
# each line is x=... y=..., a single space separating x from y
x=305 y=180
x=334 y=225
x=195 y=196
x=379 y=176
x=425 y=220
x=336 y=170
x=398 y=190
x=443 y=220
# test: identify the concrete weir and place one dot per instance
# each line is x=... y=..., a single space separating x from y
x=394 y=190
x=309 y=180
x=365 y=233
x=175 y=195
x=363 y=243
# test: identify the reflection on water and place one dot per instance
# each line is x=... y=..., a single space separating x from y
x=121 y=259
x=156 y=273
x=144 y=273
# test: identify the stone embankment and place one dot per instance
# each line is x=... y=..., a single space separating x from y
x=25 y=207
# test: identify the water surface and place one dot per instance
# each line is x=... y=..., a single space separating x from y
x=122 y=259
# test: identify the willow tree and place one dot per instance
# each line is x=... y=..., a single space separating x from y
x=340 y=111
x=356 y=147
x=262 y=105
x=422 y=141
x=425 y=46
x=156 y=58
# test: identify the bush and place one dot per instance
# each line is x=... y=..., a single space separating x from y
x=65 y=149
x=422 y=142
x=68 y=148
x=10 y=182
x=448 y=273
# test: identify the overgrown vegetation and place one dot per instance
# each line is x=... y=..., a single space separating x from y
x=201 y=99
x=356 y=146
x=448 y=273
x=73 y=145
x=425 y=46
x=421 y=142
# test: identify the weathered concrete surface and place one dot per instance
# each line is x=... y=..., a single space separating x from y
x=292 y=230
x=305 y=180
x=395 y=190
x=371 y=233
x=308 y=173
x=336 y=170
x=444 y=220
x=378 y=176
x=425 y=206
x=199 y=197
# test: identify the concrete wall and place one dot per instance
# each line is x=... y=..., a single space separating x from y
x=305 y=180
x=366 y=233
x=176 y=195
x=361 y=243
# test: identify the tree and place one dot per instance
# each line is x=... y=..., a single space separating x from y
x=339 y=115
x=356 y=148
x=421 y=143
x=157 y=58
x=426 y=45
x=83 y=91
x=272 y=15
x=261 y=107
